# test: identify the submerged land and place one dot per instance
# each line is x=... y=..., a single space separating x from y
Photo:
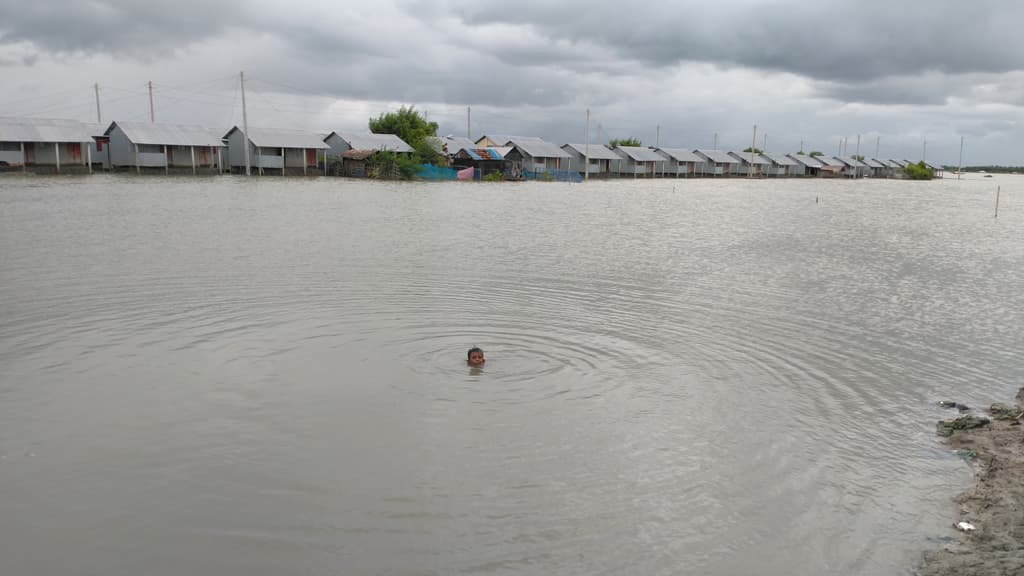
x=994 y=507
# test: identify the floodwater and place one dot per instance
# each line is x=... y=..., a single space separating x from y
x=248 y=377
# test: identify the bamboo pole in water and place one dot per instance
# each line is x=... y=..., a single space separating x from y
x=998 y=189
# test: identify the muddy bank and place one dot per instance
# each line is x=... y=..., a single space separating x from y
x=995 y=506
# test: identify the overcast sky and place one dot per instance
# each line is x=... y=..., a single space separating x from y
x=898 y=73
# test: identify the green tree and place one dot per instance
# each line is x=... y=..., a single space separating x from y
x=411 y=127
x=748 y=150
x=919 y=171
x=858 y=157
x=631 y=141
x=816 y=153
x=386 y=165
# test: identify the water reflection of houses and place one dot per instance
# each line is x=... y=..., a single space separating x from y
x=46 y=145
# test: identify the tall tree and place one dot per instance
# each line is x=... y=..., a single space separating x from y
x=410 y=126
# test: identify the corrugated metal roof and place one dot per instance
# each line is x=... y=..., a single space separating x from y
x=279 y=138
x=808 y=161
x=43 y=130
x=681 y=154
x=503 y=139
x=745 y=158
x=851 y=161
x=538 y=148
x=780 y=159
x=641 y=153
x=477 y=153
x=717 y=156
x=166 y=134
x=453 y=143
x=371 y=141
x=898 y=163
x=875 y=163
x=826 y=161
x=597 y=151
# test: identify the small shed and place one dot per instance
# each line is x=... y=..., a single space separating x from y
x=639 y=161
x=716 y=162
x=484 y=161
x=276 y=150
x=45 y=145
x=165 y=147
x=681 y=162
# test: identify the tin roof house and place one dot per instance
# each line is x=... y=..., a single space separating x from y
x=830 y=167
x=750 y=164
x=638 y=161
x=680 y=162
x=780 y=165
x=340 y=142
x=601 y=158
x=45 y=145
x=716 y=162
x=805 y=165
x=493 y=140
x=163 y=147
x=270 y=149
x=533 y=157
x=853 y=168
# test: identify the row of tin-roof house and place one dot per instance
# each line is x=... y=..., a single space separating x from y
x=64 y=145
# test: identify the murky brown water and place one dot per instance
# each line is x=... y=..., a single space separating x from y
x=221 y=376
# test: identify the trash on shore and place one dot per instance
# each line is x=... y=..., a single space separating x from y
x=947 y=427
x=965 y=526
x=951 y=404
x=1001 y=411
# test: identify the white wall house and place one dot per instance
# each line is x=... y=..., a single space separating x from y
x=681 y=162
x=602 y=159
x=163 y=147
x=536 y=156
x=716 y=162
x=275 y=151
x=780 y=165
x=45 y=145
x=750 y=164
x=639 y=161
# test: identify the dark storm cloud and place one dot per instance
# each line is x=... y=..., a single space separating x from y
x=125 y=27
x=824 y=39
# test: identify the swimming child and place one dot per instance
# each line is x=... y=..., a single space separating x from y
x=475 y=357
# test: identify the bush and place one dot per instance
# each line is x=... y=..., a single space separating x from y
x=494 y=177
x=918 y=171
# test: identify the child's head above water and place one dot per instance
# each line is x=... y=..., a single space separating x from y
x=475 y=357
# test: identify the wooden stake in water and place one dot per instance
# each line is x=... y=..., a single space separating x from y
x=998 y=188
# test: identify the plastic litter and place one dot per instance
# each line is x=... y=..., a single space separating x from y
x=965 y=526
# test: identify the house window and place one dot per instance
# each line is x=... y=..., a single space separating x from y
x=151 y=149
x=10 y=146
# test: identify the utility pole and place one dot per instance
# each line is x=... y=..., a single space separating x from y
x=716 y=141
x=657 y=141
x=858 y=145
x=99 y=117
x=753 y=143
x=586 y=149
x=152 y=118
x=960 y=166
x=468 y=137
x=878 y=141
x=245 y=125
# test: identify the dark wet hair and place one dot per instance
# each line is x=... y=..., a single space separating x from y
x=471 y=350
